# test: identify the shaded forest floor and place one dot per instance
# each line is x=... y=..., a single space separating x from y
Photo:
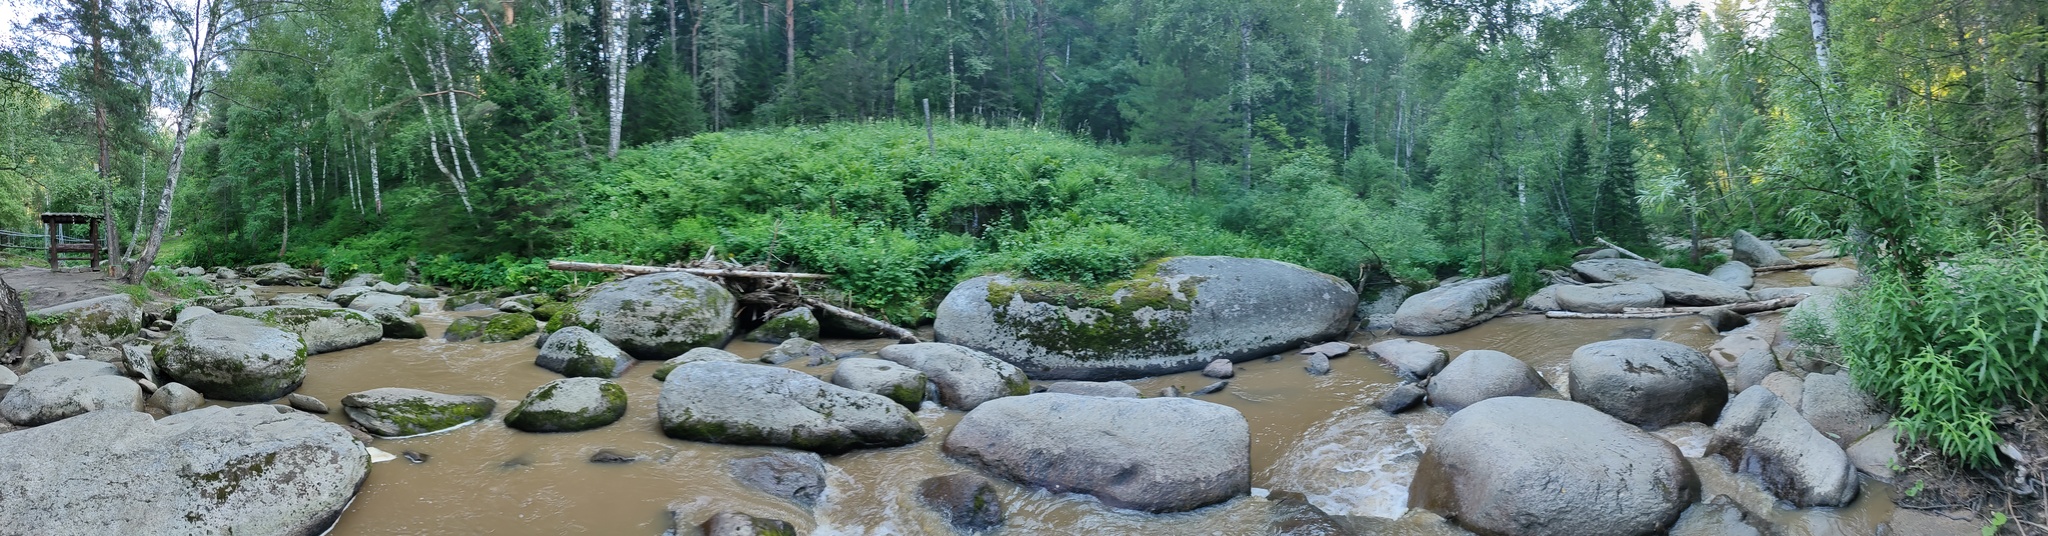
x=39 y=287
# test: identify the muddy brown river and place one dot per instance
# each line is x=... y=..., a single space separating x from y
x=1314 y=435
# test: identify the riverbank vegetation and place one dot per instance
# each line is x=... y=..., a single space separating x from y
x=902 y=148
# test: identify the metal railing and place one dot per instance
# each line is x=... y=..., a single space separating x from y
x=35 y=241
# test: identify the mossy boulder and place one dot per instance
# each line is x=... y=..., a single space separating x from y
x=278 y=273
x=695 y=355
x=1175 y=315
x=966 y=377
x=900 y=383
x=744 y=404
x=300 y=299
x=655 y=316
x=411 y=290
x=103 y=321
x=549 y=311
x=798 y=323
x=492 y=328
x=399 y=412
x=397 y=324
x=794 y=349
x=246 y=470
x=220 y=302
x=344 y=295
x=325 y=329
x=234 y=358
x=373 y=299
x=569 y=405
x=577 y=352
x=63 y=390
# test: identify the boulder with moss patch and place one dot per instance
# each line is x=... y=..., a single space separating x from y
x=63 y=390
x=397 y=324
x=246 y=470
x=346 y=294
x=1174 y=315
x=373 y=299
x=278 y=273
x=695 y=355
x=548 y=311
x=745 y=404
x=575 y=351
x=902 y=384
x=654 y=316
x=798 y=323
x=399 y=412
x=411 y=290
x=569 y=405
x=499 y=327
x=233 y=358
x=325 y=329
x=966 y=377
x=103 y=321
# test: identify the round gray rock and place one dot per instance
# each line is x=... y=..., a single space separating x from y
x=796 y=476
x=1481 y=374
x=1412 y=360
x=577 y=352
x=1680 y=287
x=695 y=355
x=214 y=471
x=233 y=358
x=966 y=377
x=397 y=323
x=1538 y=467
x=399 y=412
x=63 y=390
x=347 y=293
x=1760 y=433
x=569 y=405
x=1107 y=389
x=1612 y=298
x=1838 y=409
x=967 y=501
x=1734 y=273
x=900 y=383
x=1154 y=455
x=1749 y=250
x=745 y=404
x=175 y=398
x=1837 y=278
x=104 y=321
x=655 y=316
x=1177 y=315
x=371 y=300
x=324 y=329
x=1647 y=382
x=798 y=323
x=1453 y=307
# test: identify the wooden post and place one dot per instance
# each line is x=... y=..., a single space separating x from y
x=50 y=234
x=92 y=264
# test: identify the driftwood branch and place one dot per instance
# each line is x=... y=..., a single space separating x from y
x=631 y=269
x=1671 y=312
x=901 y=335
x=1622 y=250
x=1785 y=267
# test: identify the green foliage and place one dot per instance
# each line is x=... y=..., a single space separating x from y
x=1953 y=345
x=176 y=286
x=44 y=321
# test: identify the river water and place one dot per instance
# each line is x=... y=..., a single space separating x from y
x=1316 y=435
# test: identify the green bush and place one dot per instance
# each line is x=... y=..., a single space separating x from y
x=1953 y=345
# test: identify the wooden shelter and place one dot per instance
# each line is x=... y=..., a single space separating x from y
x=53 y=224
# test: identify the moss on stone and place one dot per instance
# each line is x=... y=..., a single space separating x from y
x=414 y=415
x=523 y=417
x=508 y=327
x=1144 y=315
x=465 y=328
x=907 y=395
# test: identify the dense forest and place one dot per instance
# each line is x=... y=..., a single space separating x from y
x=905 y=145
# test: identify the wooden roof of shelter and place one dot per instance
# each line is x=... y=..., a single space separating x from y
x=69 y=217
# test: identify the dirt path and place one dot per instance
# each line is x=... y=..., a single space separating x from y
x=39 y=287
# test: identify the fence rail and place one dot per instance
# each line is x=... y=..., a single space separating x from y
x=35 y=241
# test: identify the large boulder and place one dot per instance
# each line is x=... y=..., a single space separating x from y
x=397 y=323
x=1611 y=298
x=569 y=405
x=73 y=327
x=1749 y=250
x=695 y=355
x=362 y=280
x=1760 y=433
x=796 y=476
x=798 y=323
x=1412 y=360
x=966 y=377
x=233 y=358
x=900 y=383
x=371 y=300
x=1545 y=299
x=1536 y=467
x=214 y=471
x=1647 y=382
x=325 y=329
x=1837 y=277
x=1680 y=287
x=1175 y=315
x=1833 y=404
x=967 y=501
x=1734 y=273
x=655 y=316
x=298 y=299
x=1481 y=374
x=746 y=404
x=278 y=273
x=63 y=390
x=1453 y=307
x=347 y=293
x=575 y=351
x=499 y=327
x=407 y=289
x=1155 y=455
x=400 y=412
x=1105 y=389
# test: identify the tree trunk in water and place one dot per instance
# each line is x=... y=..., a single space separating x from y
x=1817 y=15
x=615 y=47
x=13 y=319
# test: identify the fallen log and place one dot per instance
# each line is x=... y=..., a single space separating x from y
x=1784 y=267
x=632 y=269
x=1622 y=250
x=1673 y=312
x=892 y=330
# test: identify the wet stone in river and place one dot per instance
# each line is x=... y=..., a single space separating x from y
x=1481 y=374
x=1646 y=382
x=745 y=404
x=1155 y=455
x=1104 y=389
x=796 y=476
x=967 y=501
x=397 y=412
x=569 y=405
x=966 y=377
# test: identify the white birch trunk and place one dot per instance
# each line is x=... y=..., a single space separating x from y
x=1817 y=16
x=376 y=185
x=455 y=117
x=434 y=139
x=615 y=47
